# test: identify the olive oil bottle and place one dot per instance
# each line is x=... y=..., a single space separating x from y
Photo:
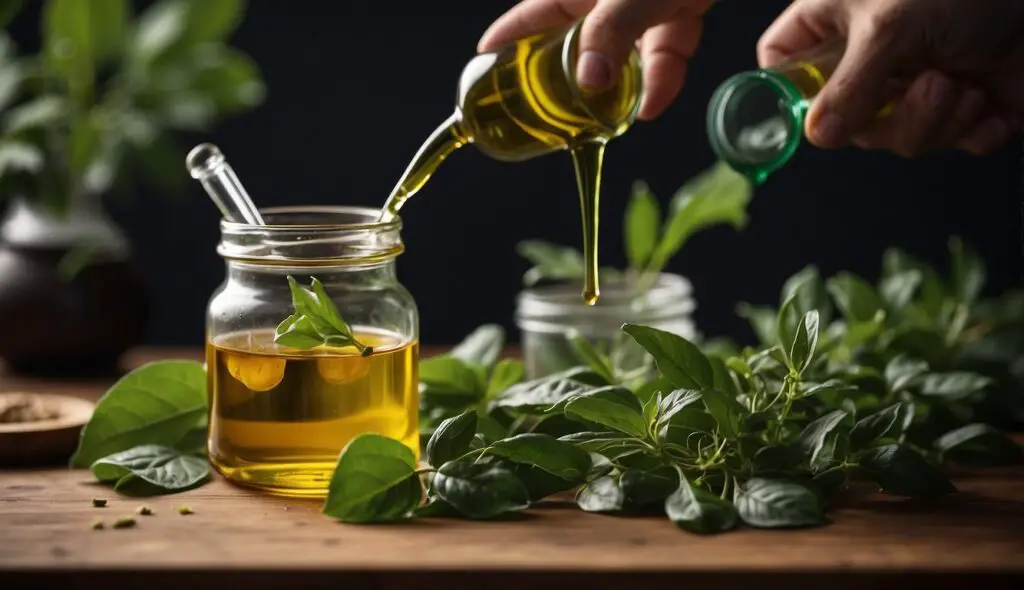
x=279 y=417
x=522 y=101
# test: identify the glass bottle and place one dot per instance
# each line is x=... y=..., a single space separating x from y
x=279 y=416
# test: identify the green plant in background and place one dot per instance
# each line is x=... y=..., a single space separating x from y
x=716 y=196
x=97 y=108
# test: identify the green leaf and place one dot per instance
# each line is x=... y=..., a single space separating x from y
x=814 y=436
x=538 y=396
x=786 y=326
x=551 y=261
x=775 y=458
x=375 y=481
x=480 y=490
x=726 y=410
x=698 y=511
x=481 y=347
x=968 y=271
x=557 y=457
x=451 y=438
x=854 y=297
x=157 y=404
x=506 y=373
x=897 y=290
x=18 y=156
x=642 y=487
x=316 y=320
x=876 y=426
x=614 y=407
x=449 y=375
x=642 y=224
x=932 y=291
x=804 y=342
x=212 y=21
x=158 y=29
x=108 y=20
x=774 y=503
x=808 y=293
x=677 y=358
x=953 y=386
x=602 y=442
x=902 y=370
x=675 y=402
x=540 y=484
x=593 y=358
x=762 y=321
x=717 y=196
x=166 y=469
x=601 y=495
x=69 y=43
x=900 y=470
x=723 y=380
x=979 y=445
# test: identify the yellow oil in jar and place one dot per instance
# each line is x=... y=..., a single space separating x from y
x=279 y=417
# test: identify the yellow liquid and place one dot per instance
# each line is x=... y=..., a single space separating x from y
x=516 y=103
x=279 y=417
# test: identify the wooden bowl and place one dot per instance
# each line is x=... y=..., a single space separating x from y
x=43 y=442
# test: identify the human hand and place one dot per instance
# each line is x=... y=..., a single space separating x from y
x=964 y=61
x=667 y=32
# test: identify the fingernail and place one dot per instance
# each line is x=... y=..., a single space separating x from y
x=829 y=129
x=593 y=70
x=938 y=89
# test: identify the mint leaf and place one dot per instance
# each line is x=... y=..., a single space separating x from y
x=678 y=359
x=315 y=321
x=165 y=469
x=772 y=503
x=557 y=457
x=900 y=470
x=698 y=511
x=158 y=404
x=480 y=490
x=451 y=439
x=375 y=481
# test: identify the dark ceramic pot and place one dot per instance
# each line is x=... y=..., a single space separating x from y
x=56 y=326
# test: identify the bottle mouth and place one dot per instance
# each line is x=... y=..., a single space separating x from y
x=313 y=235
x=755 y=122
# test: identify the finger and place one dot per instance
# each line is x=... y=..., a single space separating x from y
x=530 y=17
x=929 y=104
x=968 y=112
x=990 y=135
x=609 y=34
x=800 y=27
x=666 y=51
x=855 y=93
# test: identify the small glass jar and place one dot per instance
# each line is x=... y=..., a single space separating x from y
x=548 y=318
x=279 y=416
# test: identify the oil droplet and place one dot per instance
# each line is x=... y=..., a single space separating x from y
x=341 y=370
x=258 y=373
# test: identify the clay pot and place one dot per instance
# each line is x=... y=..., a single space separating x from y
x=56 y=326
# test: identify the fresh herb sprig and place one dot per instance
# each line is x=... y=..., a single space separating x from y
x=316 y=321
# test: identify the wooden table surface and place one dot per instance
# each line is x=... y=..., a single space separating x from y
x=972 y=539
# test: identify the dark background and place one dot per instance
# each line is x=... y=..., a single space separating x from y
x=354 y=87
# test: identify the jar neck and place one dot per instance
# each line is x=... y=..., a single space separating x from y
x=376 y=275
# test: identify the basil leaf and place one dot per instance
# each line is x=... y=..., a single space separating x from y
x=601 y=495
x=902 y=370
x=804 y=342
x=642 y=487
x=812 y=439
x=698 y=511
x=540 y=484
x=953 y=386
x=614 y=407
x=451 y=439
x=678 y=359
x=774 y=503
x=876 y=426
x=480 y=490
x=897 y=291
x=727 y=412
x=979 y=445
x=762 y=321
x=551 y=261
x=600 y=442
x=675 y=402
x=723 y=380
x=902 y=471
x=506 y=373
x=775 y=458
x=559 y=458
x=855 y=298
x=158 y=403
x=165 y=468
x=787 y=325
x=593 y=358
x=375 y=481
x=808 y=293
x=539 y=396
x=642 y=225
x=449 y=375
x=481 y=347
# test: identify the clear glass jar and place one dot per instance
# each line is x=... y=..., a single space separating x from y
x=279 y=416
x=549 y=316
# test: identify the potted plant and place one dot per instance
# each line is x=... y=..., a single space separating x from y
x=559 y=331
x=93 y=112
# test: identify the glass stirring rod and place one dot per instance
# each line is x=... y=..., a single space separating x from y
x=207 y=164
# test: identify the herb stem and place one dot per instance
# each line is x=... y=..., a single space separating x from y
x=725 y=486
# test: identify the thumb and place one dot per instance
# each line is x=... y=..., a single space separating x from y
x=610 y=32
x=855 y=92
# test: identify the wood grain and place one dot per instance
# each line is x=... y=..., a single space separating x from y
x=241 y=538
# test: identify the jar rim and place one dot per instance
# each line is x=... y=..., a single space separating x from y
x=371 y=213
x=669 y=296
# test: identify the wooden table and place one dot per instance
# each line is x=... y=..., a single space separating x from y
x=238 y=538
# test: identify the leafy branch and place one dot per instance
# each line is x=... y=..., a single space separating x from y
x=316 y=321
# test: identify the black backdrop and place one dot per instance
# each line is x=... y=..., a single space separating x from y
x=354 y=87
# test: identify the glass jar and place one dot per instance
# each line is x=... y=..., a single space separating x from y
x=548 y=318
x=279 y=415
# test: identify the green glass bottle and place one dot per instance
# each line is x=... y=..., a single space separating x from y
x=755 y=120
